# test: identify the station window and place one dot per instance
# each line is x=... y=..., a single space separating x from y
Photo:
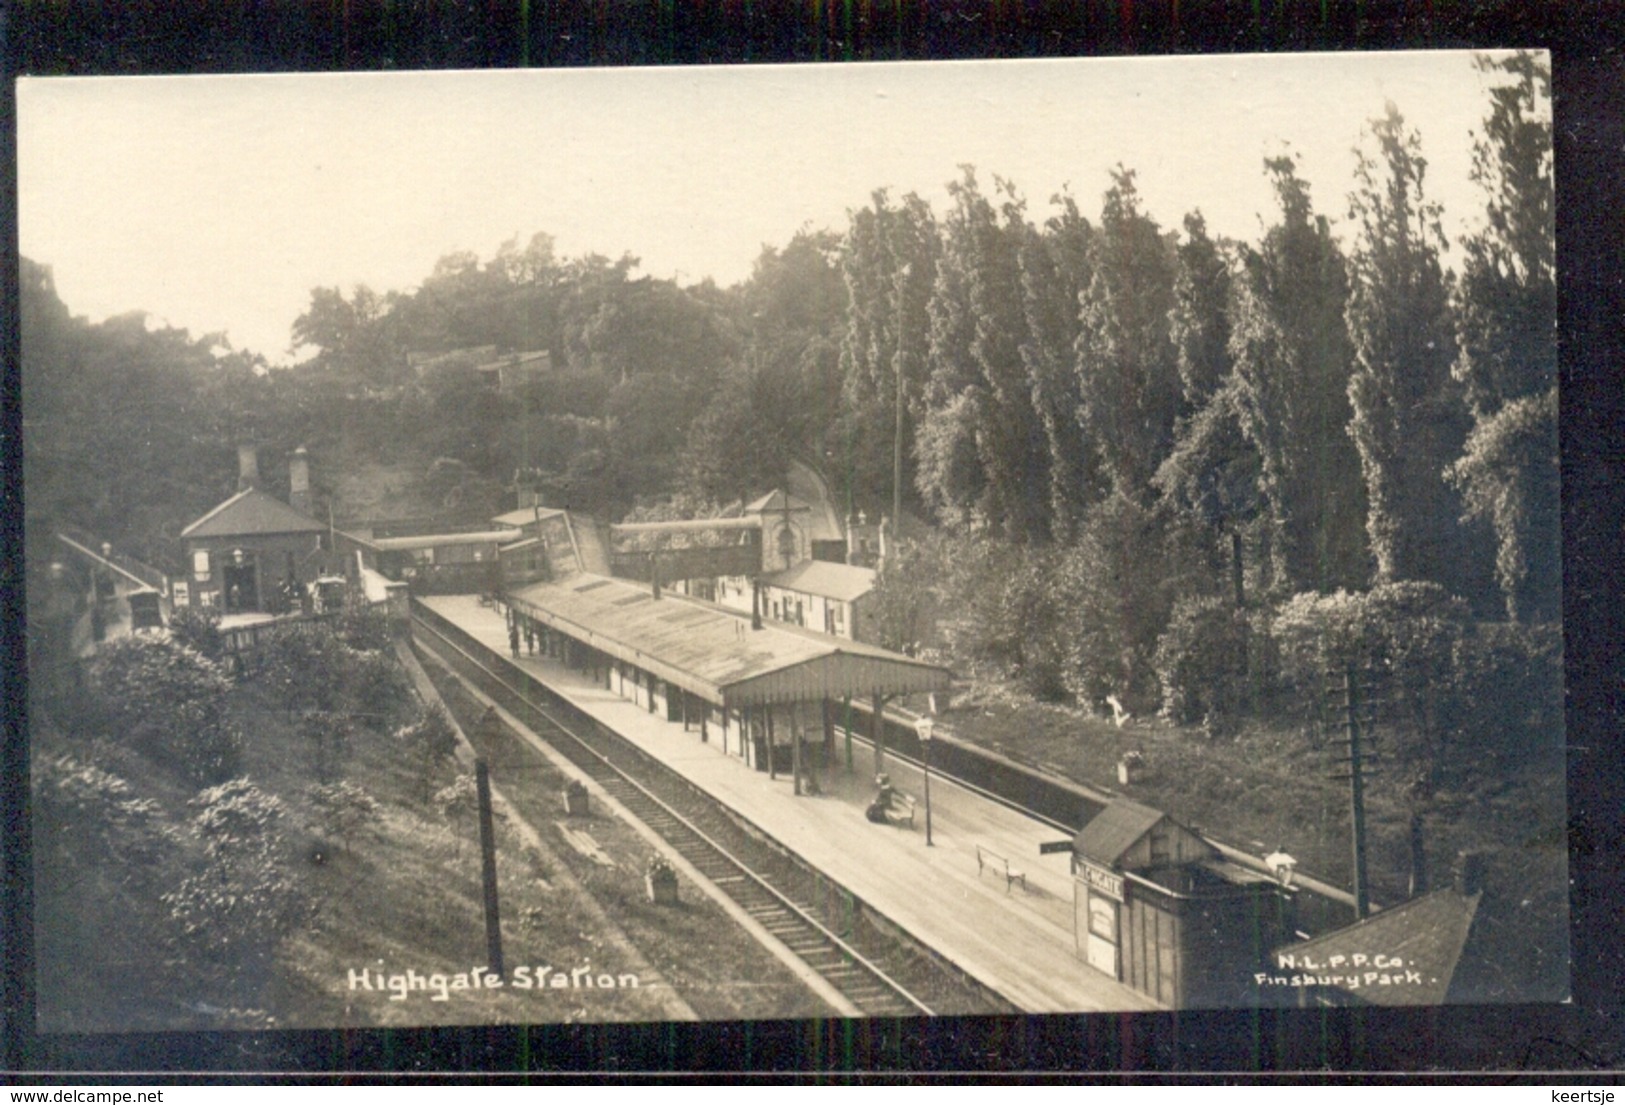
x=200 y=565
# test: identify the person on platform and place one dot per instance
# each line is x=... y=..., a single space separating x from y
x=513 y=639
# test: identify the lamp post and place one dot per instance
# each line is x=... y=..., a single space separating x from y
x=923 y=727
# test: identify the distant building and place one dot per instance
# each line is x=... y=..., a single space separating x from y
x=831 y=598
x=505 y=372
x=253 y=552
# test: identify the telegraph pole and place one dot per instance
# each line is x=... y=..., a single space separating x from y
x=488 y=865
x=1357 y=768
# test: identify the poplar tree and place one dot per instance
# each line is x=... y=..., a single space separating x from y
x=1054 y=266
x=889 y=266
x=979 y=328
x=1127 y=368
x=1506 y=326
x=1293 y=363
x=1409 y=419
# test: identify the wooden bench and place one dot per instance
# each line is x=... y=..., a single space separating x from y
x=987 y=857
x=901 y=810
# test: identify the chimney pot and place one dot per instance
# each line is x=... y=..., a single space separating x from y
x=299 y=480
x=1470 y=868
x=248 y=467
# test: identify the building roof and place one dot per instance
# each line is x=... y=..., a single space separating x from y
x=445 y=540
x=775 y=501
x=525 y=516
x=1114 y=830
x=252 y=513
x=1426 y=934
x=846 y=582
x=713 y=652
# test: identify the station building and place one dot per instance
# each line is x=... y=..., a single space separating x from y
x=253 y=552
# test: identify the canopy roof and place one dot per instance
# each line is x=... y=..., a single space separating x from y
x=713 y=652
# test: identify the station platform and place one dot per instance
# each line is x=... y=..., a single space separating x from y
x=1017 y=940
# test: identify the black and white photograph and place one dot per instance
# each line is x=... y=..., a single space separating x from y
x=765 y=543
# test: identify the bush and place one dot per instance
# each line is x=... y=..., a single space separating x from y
x=372 y=681
x=1117 y=589
x=429 y=742
x=363 y=626
x=240 y=903
x=83 y=814
x=1203 y=664
x=1401 y=641
x=198 y=628
x=1508 y=692
x=343 y=808
x=157 y=694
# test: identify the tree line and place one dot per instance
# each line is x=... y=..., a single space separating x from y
x=1115 y=411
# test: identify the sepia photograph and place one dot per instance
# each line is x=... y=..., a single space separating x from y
x=763 y=543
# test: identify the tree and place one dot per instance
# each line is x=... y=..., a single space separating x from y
x=1506 y=324
x=889 y=264
x=1118 y=585
x=1054 y=271
x=1410 y=421
x=1293 y=363
x=1126 y=362
x=979 y=327
x=901 y=610
x=1212 y=474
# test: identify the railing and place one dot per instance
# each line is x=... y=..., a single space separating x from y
x=89 y=546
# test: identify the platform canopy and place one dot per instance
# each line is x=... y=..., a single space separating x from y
x=713 y=652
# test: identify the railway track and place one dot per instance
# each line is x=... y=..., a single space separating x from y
x=879 y=969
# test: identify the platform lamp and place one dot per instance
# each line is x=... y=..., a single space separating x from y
x=923 y=726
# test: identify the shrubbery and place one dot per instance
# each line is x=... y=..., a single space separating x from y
x=429 y=741
x=240 y=903
x=1205 y=664
x=169 y=700
x=198 y=627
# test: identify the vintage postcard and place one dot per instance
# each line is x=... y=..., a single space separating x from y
x=793 y=542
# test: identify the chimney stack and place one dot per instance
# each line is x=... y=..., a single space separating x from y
x=248 y=467
x=299 y=481
x=1469 y=872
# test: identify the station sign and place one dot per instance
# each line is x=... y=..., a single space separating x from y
x=1107 y=882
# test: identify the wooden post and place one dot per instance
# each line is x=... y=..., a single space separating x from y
x=488 y=866
x=795 y=755
x=771 y=773
x=847 y=727
x=879 y=734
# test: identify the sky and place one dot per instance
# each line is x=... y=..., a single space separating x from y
x=218 y=203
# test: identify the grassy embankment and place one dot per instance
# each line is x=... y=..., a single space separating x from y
x=1272 y=786
x=403 y=894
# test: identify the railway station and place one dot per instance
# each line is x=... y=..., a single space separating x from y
x=1013 y=936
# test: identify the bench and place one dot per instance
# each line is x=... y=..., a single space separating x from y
x=987 y=857
x=901 y=811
